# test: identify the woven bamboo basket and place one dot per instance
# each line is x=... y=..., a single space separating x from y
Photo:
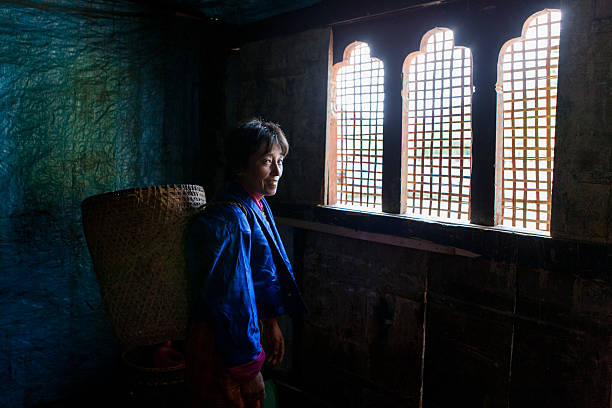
x=135 y=238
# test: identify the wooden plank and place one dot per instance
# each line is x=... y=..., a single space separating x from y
x=413 y=243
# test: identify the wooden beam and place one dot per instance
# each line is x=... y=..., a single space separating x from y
x=413 y=243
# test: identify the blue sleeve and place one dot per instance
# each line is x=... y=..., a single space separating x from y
x=218 y=248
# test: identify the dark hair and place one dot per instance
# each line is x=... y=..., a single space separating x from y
x=247 y=139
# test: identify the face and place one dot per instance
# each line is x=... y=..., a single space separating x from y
x=263 y=171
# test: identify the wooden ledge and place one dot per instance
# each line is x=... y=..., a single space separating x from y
x=413 y=243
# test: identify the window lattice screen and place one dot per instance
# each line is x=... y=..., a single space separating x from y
x=358 y=95
x=437 y=127
x=527 y=101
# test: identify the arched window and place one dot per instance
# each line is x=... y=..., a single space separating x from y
x=526 y=110
x=437 y=127
x=356 y=129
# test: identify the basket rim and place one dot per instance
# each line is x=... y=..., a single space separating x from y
x=119 y=193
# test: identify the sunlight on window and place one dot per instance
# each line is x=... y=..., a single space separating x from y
x=358 y=96
x=527 y=102
x=437 y=127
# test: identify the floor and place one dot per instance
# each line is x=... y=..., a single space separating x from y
x=123 y=391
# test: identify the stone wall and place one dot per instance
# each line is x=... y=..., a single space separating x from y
x=284 y=80
x=582 y=190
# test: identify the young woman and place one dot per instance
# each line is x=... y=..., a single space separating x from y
x=241 y=275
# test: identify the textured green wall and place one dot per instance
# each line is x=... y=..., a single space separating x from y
x=246 y=11
x=95 y=96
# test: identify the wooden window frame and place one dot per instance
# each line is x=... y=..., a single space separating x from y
x=332 y=158
x=394 y=36
x=419 y=211
x=550 y=115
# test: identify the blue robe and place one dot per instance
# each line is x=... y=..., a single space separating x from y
x=240 y=273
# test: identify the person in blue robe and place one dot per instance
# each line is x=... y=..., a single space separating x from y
x=241 y=275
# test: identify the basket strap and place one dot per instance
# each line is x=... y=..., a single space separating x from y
x=216 y=203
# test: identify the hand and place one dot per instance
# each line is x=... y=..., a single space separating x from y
x=274 y=341
x=253 y=390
